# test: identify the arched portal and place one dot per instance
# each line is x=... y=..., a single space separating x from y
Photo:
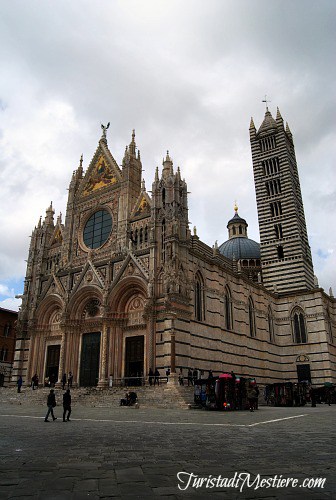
x=130 y=333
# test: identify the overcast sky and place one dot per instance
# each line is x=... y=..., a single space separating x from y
x=188 y=76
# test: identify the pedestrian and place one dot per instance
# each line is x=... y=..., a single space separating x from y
x=34 y=382
x=257 y=397
x=70 y=379
x=66 y=405
x=194 y=375
x=156 y=377
x=19 y=384
x=150 y=376
x=251 y=396
x=190 y=379
x=167 y=373
x=181 y=381
x=210 y=376
x=51 y=403
x=64 y=379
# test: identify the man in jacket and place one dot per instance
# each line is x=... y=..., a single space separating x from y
x=51 y=403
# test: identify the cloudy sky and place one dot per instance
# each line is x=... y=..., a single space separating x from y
x=187 y=75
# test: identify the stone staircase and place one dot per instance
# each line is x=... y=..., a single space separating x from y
x=163 y=396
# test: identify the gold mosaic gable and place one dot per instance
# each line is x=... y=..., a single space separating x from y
x=101 y=176
x=143 y=207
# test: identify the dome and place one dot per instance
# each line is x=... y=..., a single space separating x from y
x=236 y=219
x=240 y=248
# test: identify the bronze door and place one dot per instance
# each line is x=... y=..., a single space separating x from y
x=53 y=355
x=89 y=368
x=134 y=359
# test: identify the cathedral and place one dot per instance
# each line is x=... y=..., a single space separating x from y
x=124 y=285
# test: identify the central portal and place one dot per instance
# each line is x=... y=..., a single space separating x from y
x=89 y=369
x=134 y=366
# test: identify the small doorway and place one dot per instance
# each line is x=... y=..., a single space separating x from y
x=134 y=366
x=89 y=368
x=53 y=355
x=303 y=373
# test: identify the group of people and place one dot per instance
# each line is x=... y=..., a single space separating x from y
x=193 y=376
x=129 y=400
x=154 y=377
x=51 y=404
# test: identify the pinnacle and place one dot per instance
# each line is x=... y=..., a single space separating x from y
x=278 y=115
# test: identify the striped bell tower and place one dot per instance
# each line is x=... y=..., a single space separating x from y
x=285 y=252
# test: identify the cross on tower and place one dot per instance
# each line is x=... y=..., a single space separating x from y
x=266 y=101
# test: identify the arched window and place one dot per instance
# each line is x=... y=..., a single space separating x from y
x=329 y=327
x=163 y=238
x=199 y=297
x=4 y=354
x=299 y=327
x=228 y=309
x=270 y=325
x=251 y=318
x=7 y=330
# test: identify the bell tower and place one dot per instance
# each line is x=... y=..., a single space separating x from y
x=170 y=217
x=285 y=252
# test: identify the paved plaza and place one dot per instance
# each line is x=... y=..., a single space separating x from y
x=137 y=453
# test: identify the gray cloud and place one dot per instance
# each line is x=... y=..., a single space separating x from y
x=188 y=76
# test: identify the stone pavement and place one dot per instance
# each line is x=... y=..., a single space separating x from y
x=137 y=453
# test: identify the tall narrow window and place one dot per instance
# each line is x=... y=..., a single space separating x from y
x=299 y=327
x=199 y=297
x=228 y=309
x=251 y=318
x=163 y=237
x=280 y=251
x=270 y=325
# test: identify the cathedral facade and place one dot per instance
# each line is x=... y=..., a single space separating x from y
x=124 y=285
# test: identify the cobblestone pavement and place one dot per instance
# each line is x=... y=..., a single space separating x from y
x=137 y=453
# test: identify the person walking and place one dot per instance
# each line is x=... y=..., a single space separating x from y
x=64 y=379
x=190 y=379
x=150 y=376
x=19 y=384
x=66 y=405
x=251 y=396
x=51 y=403
x=70 y=379
x=157 y=377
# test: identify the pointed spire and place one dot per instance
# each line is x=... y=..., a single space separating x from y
x=278 y=115
x=40 y=221
x=49 y=218
x=132 y=145
x=252 y=126
x=167 y=166
x=236 y=207
x=288 y=130
x=80 y=168
x=157 y=174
